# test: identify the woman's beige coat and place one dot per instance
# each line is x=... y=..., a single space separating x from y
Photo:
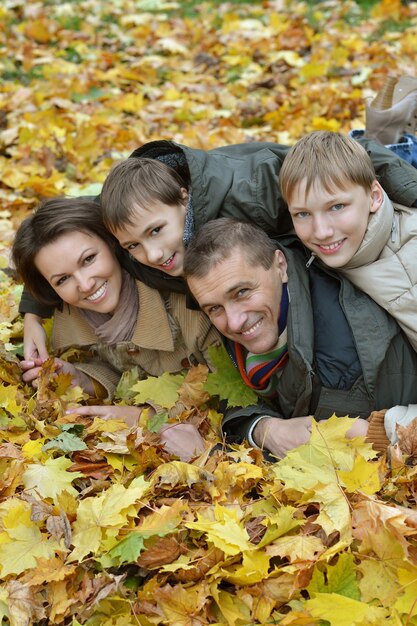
x=168 y=337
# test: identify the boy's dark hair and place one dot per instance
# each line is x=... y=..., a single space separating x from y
x=138 y=181
x=332 y=159
x=53 y=218
x=217 y=240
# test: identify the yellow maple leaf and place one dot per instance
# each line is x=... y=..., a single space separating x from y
x=226 y=532
x=334 y=510
x=378 y=581
x=406 y=604
x=364 y=476
x=319 y=460
x=25 y=544
x=387 y=9
x=342 y=611
x=14 y=512
x=131 y=103
x=51 y=478
x=179 y=472
x=254 y=568
x=296 y=547
x=234 y=609
x=8 y=399
x=324 y=123
x=180 y=604
x=109 y=509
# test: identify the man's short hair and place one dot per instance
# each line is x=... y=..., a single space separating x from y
x=138 y=181
x=332 y=159
x=217 y=240
x=53 y=218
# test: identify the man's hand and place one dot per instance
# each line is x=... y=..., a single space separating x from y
x=130 y=414
x=279 y=436
x=34 y=339
x=183 y=440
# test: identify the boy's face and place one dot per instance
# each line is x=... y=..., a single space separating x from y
x=156 y=238
x=333 y=224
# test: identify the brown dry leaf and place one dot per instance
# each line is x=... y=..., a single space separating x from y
x=160 y=551
x=407 y=438
x=191 y=392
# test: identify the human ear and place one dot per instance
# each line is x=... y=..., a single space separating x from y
x=184 y=194
x=281 y=265
x=377 y=197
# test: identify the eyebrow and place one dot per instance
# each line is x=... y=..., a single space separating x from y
x=78 y=261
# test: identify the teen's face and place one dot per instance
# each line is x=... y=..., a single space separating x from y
x=243 y=301
x=333 y=224
x=156 y=238
x=82 y=270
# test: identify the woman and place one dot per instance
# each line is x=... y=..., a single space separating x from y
x=68 y=259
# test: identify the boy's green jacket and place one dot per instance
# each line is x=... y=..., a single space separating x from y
x=242 y=181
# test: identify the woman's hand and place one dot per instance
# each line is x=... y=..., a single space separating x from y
x=32 y=369
x=34 y=339
x=130 y=414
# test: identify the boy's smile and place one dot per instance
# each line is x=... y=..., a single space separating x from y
x=155 y=236
x=332 y=223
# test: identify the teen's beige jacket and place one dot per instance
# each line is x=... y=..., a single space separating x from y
x=385 y=266
x=168 y=337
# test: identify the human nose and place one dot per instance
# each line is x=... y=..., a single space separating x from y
x=153 y=253
x=236 y=318
x=85 y=282
x=322 y=228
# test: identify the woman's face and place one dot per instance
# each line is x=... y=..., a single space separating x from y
x=156 y=238
x=83 y=271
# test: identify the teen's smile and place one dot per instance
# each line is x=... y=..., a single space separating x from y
x=331 y=248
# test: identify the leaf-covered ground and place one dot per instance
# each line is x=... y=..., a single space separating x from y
x=98 y=525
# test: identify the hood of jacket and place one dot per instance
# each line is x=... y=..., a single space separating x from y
x=381 y=225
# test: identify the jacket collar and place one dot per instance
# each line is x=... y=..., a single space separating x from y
x=377 y=234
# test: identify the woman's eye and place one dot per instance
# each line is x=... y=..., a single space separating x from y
x=156 y=230
x=213 y=310
x=61 y=281
x=131 y=246
x=337 y=207
x=89 y=259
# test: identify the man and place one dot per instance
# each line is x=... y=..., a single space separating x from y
x=305 y=339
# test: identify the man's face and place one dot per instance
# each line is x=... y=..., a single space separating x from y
x=156 y=238
x=243 y=301
x=333 y=224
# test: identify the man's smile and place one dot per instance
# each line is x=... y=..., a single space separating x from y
x=252 y=329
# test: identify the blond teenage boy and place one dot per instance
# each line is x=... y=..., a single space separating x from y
x=343 y=216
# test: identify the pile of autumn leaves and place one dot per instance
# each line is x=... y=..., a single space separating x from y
x=100 y=526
